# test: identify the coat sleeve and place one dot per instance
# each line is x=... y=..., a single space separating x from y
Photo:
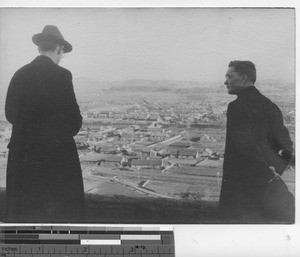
x=13 y=99
x=280 y=144
x=70 y=112
x=17 y=110
x=280 y=137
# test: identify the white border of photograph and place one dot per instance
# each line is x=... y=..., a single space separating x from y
x=214 y=240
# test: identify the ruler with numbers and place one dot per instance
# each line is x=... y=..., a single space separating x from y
x=78 y=241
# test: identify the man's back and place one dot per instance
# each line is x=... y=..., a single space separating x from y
x=41 y=101
x=44 y=180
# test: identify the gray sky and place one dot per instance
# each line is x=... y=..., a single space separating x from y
x=155 y=43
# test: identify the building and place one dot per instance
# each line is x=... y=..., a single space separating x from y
x=207 y=152
x=173 y=152
x=91 y=115
x=91 y=158
x=180 y=144
x=146 y=164
x=112 y=161
x=142 y=150
x=152 y=118
x=181 y=162
x=81 y=142
x=110 y=149
x=188 y=153
x=104 y=114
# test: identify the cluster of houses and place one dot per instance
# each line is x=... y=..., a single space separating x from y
x=135 y=148
x=289 y=116
x=5 y=133
x=178 y=114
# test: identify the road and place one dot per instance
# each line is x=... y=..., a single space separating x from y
x=115 y=186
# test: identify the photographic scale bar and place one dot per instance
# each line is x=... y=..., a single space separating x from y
x=75 y=241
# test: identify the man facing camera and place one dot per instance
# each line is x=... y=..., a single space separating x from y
x=44 y=180
x=257 y=143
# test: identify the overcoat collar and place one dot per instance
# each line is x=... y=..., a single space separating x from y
x=43 y=59
x=247 y=91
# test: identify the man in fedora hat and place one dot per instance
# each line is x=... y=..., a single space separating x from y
x=44 y=180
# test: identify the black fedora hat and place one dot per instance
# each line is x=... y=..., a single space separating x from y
x=51 y=33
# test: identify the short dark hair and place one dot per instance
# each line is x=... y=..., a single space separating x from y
x=47 y=46
x=244 y=67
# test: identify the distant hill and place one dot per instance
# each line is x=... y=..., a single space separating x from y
x=158 y=85
x=84 y=84
x=93 y=90
x=87 y=87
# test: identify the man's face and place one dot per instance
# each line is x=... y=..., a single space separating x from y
x=234 y=81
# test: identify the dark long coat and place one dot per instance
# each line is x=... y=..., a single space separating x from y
x=44 y=179
x=255 y=135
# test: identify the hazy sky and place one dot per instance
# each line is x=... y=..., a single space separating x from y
x=197 y=44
